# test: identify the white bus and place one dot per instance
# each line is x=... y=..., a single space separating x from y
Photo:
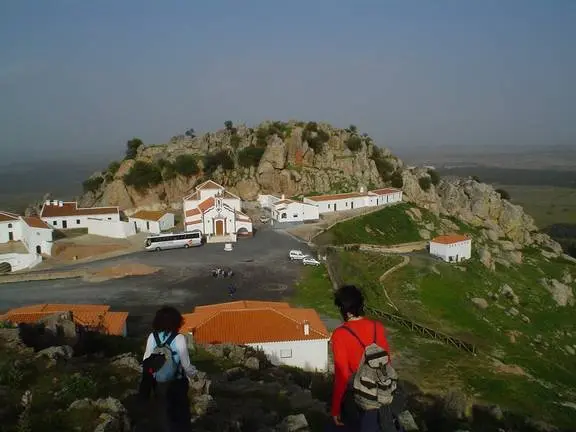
x=173 y=241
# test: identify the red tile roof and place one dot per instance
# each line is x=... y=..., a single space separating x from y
x=206 y=204
x=209 y=184
x=253 y=322
x=335 y=197
x=36 y=222
x=149 y=215
x=385 y=191
x=450 y=239
x=7 y=216
x=71 y=209
x=193 y=212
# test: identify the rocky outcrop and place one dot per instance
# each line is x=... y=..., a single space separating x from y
x=562 y=294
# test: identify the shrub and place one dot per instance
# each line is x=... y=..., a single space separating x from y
x=228 y=125
x=113 y=167
x=190 y=133
x=476 y=179
x=354 y=143
x=262 y=137
x=250 y=156
x=132 y=147
x=311 y=127
x=235 y=141
x=186 y=165
x=434 y=177
x=92 y=184
x=316 y=138
x=143 y=175
x=504 y=194
x=425 y=183
x=213 y=160
x=383 y=165
x=279 y=128
x=352 y=129
x=396 y=180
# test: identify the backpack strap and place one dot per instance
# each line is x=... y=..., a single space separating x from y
x=375 y=329
x=170 y=339
x=349 y=330
x=157 y=339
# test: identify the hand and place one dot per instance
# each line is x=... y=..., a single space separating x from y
x=337 y=421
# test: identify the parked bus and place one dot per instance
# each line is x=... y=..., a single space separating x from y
x=173 y=241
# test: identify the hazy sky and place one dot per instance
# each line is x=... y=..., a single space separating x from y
x=82 y=76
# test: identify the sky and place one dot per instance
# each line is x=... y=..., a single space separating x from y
x=78 y=78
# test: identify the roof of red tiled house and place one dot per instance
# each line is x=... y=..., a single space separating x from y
x=206 y=204
x=149 y=215
x=450 y=239
x=209 y=184
x=243 y=304
x=36 y=222
x=24 y=317
x=385 y=191
x=242 y=326
x=114 y=322
x=76 y=308
x=7 y=216
x=71 y=209
x=192 y=212
x=336 y=196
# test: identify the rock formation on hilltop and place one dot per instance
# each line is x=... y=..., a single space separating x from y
x=298 y=158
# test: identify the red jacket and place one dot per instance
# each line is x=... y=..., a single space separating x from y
x=348 y=353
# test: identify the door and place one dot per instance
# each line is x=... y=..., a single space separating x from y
x=38 y=249
x=64 y=224
x=352 y=204
x=219 y=227
x=10 y=236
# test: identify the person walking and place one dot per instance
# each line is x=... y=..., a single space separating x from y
x=166 y=362
x=350 y=343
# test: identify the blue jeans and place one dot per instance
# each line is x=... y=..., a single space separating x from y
x=368 y=423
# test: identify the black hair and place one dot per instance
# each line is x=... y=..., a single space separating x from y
x=349 y=300
x=167 y=319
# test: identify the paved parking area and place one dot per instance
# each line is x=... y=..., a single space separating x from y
x=261 y=266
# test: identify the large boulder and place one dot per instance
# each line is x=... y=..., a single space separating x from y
x=562 y=294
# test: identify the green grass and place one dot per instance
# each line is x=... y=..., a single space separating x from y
x=388 y=226
x=315 y=290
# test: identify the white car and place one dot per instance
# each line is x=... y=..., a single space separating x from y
x=310 y=261
x=296 y=255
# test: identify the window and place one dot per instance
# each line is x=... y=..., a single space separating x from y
x=286 y=353
x=346 y=203
x=9 y=225
x=294 y=215
x=54 y=223
x=284 y=216
x=77 y=221
x=329 y=206
x=109 y=218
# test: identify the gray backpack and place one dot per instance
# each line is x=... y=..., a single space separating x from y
x=375 y=380
x=164 y=367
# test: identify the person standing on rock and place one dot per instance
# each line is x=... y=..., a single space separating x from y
x=349 y=342
x=167 y=360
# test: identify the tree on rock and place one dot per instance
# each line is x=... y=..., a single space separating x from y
x=190 y=133
x=186 y=165
x=92 y=184
x=503 y=194
x=143 y=175
x=425 y=183
x=434 y=176
x=228 y=125
x=396 y=180
x=132 y=147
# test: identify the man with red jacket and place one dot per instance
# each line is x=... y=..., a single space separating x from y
x=347 y=352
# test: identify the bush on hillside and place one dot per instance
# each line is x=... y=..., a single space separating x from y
x=504 y=194
x=190 y=133
x=354 y=143
x=132 y=147
x=279 y=128
x=476 y=179
x=228 y=125
x=113 y=167
x=262 y=137
x=213 y=160
x=143 y=175
x=315 y=137
x=92 y=184
x=352 y=129
x=396 y=180
x=235 y=141
x=434 y=177
x=250 y=156
x=425 y=183
x=186 y=165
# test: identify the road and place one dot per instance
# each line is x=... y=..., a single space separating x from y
x=261 y=266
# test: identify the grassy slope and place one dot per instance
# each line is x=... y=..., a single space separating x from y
x=438 y=295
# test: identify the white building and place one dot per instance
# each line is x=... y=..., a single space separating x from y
x=354 y=200
x=216 y=213
x=66 y=215
x=288 y=336
x=152 y=221
x=26 y=239
x=266 y=201
x=287 y=210
x=451 y=248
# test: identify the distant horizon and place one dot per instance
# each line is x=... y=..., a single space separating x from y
x=85 y=77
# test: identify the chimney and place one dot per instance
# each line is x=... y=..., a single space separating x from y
x=306 y=328
x=283 y=196
x=60 y=204
x=361 y=189
x=47 y=202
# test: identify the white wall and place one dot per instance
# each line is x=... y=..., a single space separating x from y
x=458 y=251
x=10 y=226
x=167 y=222
x=295 y=212
x=33 y=237
x=143 y=225
x=307 y=354
x=21 y=261
x=267 y=201
x=78 y=221
x=339 y=204
x=242 y=224
x=107 y=228
x=230 y=218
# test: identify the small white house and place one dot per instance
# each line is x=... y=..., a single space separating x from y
x=338 y=202
x=267 y=201
x=152 y=221
x=451 y=248
x=288 y=336
x=66 y=215
x=384 y=196
x=287 y=210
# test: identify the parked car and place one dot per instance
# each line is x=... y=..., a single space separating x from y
x=296 y=255
x=310 y=261
x=264 y=219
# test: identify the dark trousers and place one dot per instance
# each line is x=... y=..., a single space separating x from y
x=368 y=422
x=173 y=406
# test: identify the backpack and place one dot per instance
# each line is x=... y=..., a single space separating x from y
x=161 y=362
x=375 y=380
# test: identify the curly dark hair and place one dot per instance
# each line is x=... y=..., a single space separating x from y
x=167 y=319
x=349 y=300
